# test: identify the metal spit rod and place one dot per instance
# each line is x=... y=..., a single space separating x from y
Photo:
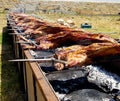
x=16 y=34
x=28 y=41
x=21 y=36
x=22 y=42
x=39 y=60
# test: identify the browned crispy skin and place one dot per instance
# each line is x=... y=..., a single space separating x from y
x=36 y=27
x=88 y=48
x=84 y=55
x=71 y=37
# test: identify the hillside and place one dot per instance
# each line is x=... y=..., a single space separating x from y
x=7 y=4
x=87 y=8
x=79 y=7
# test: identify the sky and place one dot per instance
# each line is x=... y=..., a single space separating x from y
x=112 y=1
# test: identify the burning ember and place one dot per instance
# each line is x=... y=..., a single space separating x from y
x=109 y=82
x=92 y=83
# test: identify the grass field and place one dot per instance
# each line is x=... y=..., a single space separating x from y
x=109 y=25
x=9 y=81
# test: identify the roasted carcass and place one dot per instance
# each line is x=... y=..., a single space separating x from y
x=83 y=55
x=37 y=27
x=70 y=38
x=87 y=47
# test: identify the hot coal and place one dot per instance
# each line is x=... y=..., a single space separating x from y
x=65 y=75
x=67 y=81
x=68 y=86
x=72 y=85
x=87 y=95
x=46 y=66
x=107 y=81
x=44 y=53
x=92 y=83
x=117 y=97
x=47 y=69
x=109 y=63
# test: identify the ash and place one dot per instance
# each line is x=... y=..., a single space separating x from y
x=60 y=96
x=107 y=81
x=91 y=83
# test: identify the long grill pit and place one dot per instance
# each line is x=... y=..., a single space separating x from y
x=90 y=83
x=80 y=83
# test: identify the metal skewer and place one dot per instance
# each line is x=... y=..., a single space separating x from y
x=28 y=41
x=39 y=60
x=23 y=42
x=61 y=61
x=16 y=34
x=13 y=29
x=21 y=35
x=31 y=60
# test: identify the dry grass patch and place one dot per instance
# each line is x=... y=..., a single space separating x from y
x=109 y=25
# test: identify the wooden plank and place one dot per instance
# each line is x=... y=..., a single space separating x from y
x=25 y=78
x=30 y=86
x=43 y=84
x=24 y=74
x=40 y=96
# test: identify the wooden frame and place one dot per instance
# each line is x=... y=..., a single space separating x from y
x=35 y=84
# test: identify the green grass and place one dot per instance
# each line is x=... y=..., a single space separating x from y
x=10 y=84
x=0 y=38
